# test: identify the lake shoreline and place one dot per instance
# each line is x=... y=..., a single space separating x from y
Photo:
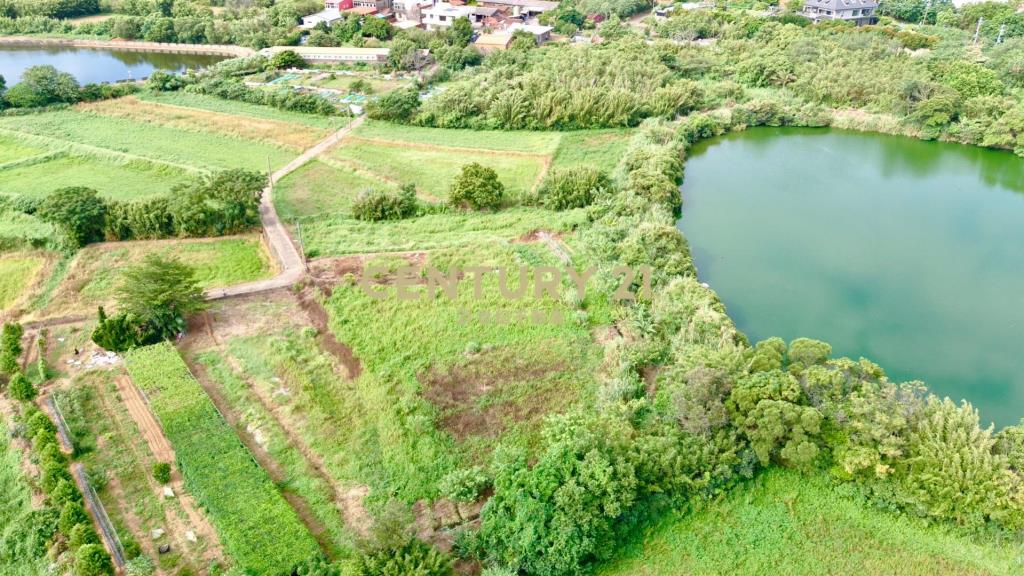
x=127 y=46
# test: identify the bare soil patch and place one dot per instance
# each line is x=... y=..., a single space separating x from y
x=328 y=342
x=490 y=391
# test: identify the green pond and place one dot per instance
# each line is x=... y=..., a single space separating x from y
x=905 y=252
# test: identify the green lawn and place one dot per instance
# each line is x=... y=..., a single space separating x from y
x=791 y=524
x=117 y=181
x=16 y=274
x=318 y=189
x=434 y=170
x=97 y=270
x=214 y=104
x=337 y=236
x=601 y=149
x=515 y=141
x=19 y=556
x=148 y=141
x=257 y=527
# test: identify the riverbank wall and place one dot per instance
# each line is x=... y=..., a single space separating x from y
x=129 y=45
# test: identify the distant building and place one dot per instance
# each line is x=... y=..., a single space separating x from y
x=329 y=15
x=410 y=10
x=524 y=8
x=315 y=55
x=860 y=12
x=442 y=14
x=540 y=33
x=488 y=43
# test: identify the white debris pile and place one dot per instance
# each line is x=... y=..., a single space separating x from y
x=96 y=359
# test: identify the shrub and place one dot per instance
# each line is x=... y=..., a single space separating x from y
x=287 y=59
x=1010 y=443
x=392 y=549
x=10 y=348
x=162 y=472
x=659 y=246
x=121 y=332
x=375 y=205
x=572 y=188
x=20 y=388
x=477 y=187
x=92 y=560
x=71 y=515
x=82 y=534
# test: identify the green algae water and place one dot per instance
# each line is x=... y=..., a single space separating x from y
x=908 y=253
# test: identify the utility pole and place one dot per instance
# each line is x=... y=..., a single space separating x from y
x=977 y=31
x=1002 y=30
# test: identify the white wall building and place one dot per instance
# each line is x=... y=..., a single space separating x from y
x=442 y=14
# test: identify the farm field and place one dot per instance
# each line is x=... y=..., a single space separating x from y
x=338 y=236
x=236 y=108
x=257 y=527
x=345 y=81
x=787 y=523
x=540 y=143
x=601 y=149
x=95 y=272
x=11 y=150
x=98 y=419
x=18 y=271
x=21 y=554
x=287 y=135
x=141 y=140
x=137 y=180
x=279 y=452
x=319 y=189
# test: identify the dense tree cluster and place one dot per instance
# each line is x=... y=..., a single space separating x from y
x=46 y=86
x=376 y=205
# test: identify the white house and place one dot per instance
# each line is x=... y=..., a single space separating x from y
x=540 y=33
x=328 y=17
x=442 y=14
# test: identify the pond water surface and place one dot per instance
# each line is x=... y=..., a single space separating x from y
x=92 y=65
x=908 y=253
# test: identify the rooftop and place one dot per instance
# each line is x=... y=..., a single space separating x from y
x=344 y=50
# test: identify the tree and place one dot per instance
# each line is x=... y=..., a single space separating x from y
x=79 y=212
x=10 y=348
x=159 y=293
x=403 y=54
x=92 y=560
x=71 y=515
x=378 y=28
x=396 y=106
x=287 y=59
x=477 y=187
x=461 y=32
x=43 y=85
x=21 y=389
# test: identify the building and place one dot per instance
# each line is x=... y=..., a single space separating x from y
x=523 y=8
x=377 y=5
x=860 y=12
x=540 y=33
x=442 y=14
x=315 y=55
x=488 y=43
x=328 y=16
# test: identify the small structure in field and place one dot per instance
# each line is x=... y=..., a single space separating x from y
x=488 y=43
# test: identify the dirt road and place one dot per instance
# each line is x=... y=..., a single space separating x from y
x=291 y=264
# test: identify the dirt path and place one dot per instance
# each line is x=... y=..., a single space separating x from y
x=291 y=264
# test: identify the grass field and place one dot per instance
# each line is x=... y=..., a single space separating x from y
x=148 y=141
x=21 y=554
x=439 y=385
x=344 y=81
x=17 y=228
x=433 y=170
x=337 y=236
x=96 y=271
x=257 y=527
x=109 y=440
x=291 y=136
x=236 y=108
x=18 y=272
x=117 y=181
x=12 y=150
x=787 y=523
x=318 y=189
x=542 y=143
x=601 y=149
x=299 y=479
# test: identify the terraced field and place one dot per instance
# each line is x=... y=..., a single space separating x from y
x=18 y=271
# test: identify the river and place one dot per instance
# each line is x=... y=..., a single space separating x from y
x=91 y=65
x=906 y=252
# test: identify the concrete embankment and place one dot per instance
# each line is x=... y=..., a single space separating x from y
x=129 y=45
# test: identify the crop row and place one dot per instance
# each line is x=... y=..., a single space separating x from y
x=256 y=525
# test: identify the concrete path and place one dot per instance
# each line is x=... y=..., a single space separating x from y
x=291 y=263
